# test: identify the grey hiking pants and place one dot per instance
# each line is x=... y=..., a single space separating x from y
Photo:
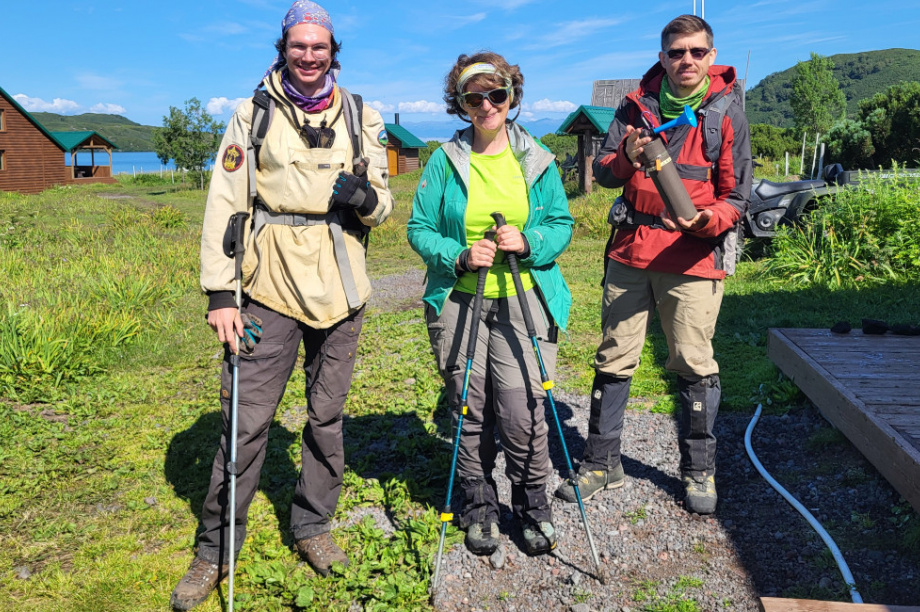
x=328 y=365
x=505 y=391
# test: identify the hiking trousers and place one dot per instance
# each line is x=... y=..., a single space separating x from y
x=328 y=366
x=688 y=308
x=505 y=392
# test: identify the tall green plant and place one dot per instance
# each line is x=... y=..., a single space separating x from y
x=863 y=235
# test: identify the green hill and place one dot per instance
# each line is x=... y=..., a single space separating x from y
x=124 y=133
x=861 y=76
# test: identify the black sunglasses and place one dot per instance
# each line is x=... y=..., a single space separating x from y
x=696 y=53
x=474 y=99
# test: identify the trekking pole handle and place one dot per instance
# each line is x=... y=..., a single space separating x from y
x=516 y=277
x=477 y=303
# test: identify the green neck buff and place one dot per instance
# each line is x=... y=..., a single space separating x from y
x=672 y=106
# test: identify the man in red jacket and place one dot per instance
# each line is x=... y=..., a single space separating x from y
x=678 y=268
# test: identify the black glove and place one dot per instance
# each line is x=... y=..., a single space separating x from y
x=354 y=192
x=252 y=333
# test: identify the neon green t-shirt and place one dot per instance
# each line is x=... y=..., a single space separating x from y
x=496 y=184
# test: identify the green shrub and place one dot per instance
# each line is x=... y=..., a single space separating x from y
x=862 y=235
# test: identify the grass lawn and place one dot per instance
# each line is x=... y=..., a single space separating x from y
x=109 y=418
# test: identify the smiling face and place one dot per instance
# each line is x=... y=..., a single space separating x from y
x=487 y=118
x=685 y=74
x=308 y=54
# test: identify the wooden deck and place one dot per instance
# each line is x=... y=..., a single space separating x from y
x=867 y=386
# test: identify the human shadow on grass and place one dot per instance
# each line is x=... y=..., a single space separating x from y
x=190 y=456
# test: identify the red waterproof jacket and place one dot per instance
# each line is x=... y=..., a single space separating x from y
x=722 y=185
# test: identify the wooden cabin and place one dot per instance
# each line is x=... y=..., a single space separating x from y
x=402 y=149
x=32 y=159
x=590 y=124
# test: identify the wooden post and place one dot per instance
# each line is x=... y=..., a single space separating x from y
x=585 y=158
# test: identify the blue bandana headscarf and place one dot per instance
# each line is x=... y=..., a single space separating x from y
x=304 y=11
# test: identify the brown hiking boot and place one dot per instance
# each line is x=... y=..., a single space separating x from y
x=321 y=552
x=197 y=584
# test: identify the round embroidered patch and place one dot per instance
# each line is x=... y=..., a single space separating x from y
x=233 y=158
x=382 y=138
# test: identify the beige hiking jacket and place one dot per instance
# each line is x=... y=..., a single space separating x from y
x=292 y=270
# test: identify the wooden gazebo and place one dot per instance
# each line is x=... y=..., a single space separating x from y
x=590 y=124
x=91 y=142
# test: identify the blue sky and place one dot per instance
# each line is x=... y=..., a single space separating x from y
x=137 y=57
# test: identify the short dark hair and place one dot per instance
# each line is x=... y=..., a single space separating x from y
x=685 y=24
x=281 y=43
x=513 y=72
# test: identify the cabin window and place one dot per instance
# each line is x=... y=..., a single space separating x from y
x=2 y=166
x=2 y=125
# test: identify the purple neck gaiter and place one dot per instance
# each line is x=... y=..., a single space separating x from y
x=304 y=103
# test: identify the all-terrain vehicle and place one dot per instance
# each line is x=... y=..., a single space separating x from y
x=775 y=204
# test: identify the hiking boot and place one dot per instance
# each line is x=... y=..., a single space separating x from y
x=539 y=538
x=197 y=584
x=590 y=482
x=482 y=538
x=321 y=551
x=701 y=494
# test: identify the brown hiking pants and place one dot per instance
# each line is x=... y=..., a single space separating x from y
x=263 y=376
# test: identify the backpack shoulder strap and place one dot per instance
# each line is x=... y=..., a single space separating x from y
x=712 y=125
x=354 y=116
x=263 y=108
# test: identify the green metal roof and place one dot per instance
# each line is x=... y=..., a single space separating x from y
x=404 y=136
x=600 y=117
x=73 y=140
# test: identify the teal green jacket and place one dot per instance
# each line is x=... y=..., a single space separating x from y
x=437 y=227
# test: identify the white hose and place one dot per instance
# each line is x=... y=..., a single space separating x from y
x=838 y=557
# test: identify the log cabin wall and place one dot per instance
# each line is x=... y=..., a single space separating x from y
x=32 y=162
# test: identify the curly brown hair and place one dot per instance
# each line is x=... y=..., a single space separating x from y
x=505 y=70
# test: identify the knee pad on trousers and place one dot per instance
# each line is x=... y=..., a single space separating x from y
x=699 y=401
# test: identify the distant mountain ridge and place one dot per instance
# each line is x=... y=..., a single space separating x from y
x=123 y=133
x=861 y=76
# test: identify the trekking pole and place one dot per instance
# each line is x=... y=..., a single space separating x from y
x=548 y=387
x=446 y=515
x=234 y=247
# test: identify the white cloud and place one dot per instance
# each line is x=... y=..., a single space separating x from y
x=551 y=106
x=59 y=105
x=218 y=106
x=108 y=109
x=380 y=106
x=460 y=21
x=421 y=106
x=575 y=32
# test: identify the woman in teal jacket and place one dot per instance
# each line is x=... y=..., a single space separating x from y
x=494 y=165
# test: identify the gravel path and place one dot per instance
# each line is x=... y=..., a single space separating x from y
x=654 y=553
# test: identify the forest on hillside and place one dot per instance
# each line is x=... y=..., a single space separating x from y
x=861 y=75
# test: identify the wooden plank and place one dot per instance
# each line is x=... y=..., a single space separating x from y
x=885 y=448
x=776 y=604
